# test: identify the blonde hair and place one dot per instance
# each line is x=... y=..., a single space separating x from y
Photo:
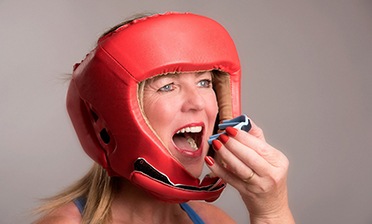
x=97 y=187
x=99 y=190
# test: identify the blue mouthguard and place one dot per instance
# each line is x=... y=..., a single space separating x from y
x=242 y=122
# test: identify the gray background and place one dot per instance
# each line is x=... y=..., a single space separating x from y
x=306 y=81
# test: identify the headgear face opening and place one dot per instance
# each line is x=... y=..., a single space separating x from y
x=103 y=101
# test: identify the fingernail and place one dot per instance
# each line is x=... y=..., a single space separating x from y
x=209 y=160
x=231 y=131
x=223 y=138
x=216 y=145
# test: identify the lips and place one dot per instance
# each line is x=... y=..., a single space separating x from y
x=188 y=139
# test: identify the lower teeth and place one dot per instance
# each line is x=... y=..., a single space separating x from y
x=192 y=143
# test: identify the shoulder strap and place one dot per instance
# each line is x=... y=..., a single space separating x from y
x=192 y=214
x=80 y=203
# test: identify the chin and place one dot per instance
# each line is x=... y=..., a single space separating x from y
x=195 y=170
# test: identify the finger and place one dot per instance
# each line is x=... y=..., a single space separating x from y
x=231 y=162
x=256 y=131
x=229 y=177
x=262 y=148
x=245 y=154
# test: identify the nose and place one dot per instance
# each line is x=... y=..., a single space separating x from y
x=193 y=100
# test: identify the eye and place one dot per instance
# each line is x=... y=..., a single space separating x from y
x=167 y=88
x=206 y=83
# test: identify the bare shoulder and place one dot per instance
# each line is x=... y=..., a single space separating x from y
x=67 y=214
x=210 y=213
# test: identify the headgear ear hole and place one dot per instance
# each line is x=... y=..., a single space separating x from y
x=99 y=126
x=94 y=115
x=105 y=136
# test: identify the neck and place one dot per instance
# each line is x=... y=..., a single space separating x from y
x=134 y=205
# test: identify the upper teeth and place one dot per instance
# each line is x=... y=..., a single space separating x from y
x=195 y=129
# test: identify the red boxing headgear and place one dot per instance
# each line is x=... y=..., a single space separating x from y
x=103 y=100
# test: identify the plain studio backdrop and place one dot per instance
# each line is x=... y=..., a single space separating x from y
x=307 y=77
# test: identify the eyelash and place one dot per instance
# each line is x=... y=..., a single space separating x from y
x=164 y=89
x=167 y=88
x=208 y=81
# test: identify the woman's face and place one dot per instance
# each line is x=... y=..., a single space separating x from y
x=182 y=109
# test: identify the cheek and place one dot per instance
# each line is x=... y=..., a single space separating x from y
x=212 y=104
x=158 y=111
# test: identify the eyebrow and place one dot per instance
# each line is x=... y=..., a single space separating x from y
x=174 y=75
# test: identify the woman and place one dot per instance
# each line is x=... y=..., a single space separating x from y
x=144 y=103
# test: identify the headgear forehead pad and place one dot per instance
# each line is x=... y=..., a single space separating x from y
x=103 y=101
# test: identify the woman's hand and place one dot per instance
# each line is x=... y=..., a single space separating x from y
x=257 y=170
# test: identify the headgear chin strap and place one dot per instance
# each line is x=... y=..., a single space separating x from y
x=103 y=100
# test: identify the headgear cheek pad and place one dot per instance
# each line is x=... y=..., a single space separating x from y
x=103 y=100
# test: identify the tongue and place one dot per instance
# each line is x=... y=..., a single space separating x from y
x=185 y=143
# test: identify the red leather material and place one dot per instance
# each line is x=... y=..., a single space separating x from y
x=176 y=195
x=103 y=94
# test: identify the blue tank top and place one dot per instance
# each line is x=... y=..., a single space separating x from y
x=195 y=218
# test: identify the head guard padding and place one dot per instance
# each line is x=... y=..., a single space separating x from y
x=103 y=101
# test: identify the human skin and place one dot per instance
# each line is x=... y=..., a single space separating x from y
x=245 y=153
x=173 y=102
x=251 y=165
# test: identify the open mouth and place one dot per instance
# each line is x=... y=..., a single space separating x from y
x=188 y=138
